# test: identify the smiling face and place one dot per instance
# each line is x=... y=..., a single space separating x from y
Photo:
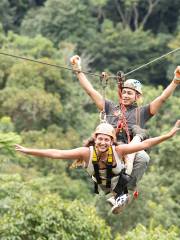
x=129 y=96
x=102 y=142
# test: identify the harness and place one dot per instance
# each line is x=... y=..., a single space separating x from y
x=122 y=122
x=121 y=186
x=95 y=160
x=137 y=116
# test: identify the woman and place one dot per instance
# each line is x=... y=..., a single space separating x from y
x=103 y=160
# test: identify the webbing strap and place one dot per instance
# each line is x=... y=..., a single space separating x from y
x=138 y=117
x=110 y=155
x=121 y=187
x=108 y=168
x=96 y=166
x=122 y=123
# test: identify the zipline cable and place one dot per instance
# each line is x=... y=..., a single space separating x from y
x=154 y=60
x=89 y=73
x=45 y=63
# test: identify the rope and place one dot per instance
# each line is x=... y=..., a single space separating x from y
x=89 y=73
x=103 y=79
x=122 y=122
x=148 y=63
x=154 y=60
x=45 y=63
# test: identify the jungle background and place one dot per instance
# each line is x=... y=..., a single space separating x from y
x=45 y=107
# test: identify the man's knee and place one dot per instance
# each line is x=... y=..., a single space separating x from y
x=142 y=157
x=139 y=167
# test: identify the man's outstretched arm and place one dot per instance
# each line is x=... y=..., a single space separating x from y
x=86 y=85
x=157 y=103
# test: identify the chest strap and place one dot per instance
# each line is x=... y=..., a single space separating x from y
x=95 y=161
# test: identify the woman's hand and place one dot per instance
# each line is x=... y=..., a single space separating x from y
x=174 y=129
x=20 y=148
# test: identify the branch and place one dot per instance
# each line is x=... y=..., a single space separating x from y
x=136 y=16
x=128 y=16
x=119 y=10
x=152 y=4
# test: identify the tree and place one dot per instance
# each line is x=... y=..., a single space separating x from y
x=141 y=233
x=28 y=211
x=57 y=20
x=29 y=112
x=129 y=12
x=125 y=50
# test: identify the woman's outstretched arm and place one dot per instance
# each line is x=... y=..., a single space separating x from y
x=135 y=147
x=77 y=153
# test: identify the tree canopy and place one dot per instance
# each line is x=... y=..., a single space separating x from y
x=43 y=106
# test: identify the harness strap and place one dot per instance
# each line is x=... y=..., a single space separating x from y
x=121 y=186
x=96 y=166
x=122 y=122
x=108 y=169
x=138 y=117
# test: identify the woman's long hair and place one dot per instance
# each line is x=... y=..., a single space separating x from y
x=79 y=162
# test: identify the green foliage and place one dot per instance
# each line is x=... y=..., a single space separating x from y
x=175 y=59
x=8 y=139
x=12 y=12
x=29 y=112
x=33 y=214
x=50 y=110
x=6 y=124
x=58 y=19
x=141 y=233
x=119 y=52
x=37 y=47
x=6 y=14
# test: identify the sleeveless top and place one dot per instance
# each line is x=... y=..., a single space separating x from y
x=116 y=170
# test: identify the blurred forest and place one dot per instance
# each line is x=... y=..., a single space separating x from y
x=45 y=107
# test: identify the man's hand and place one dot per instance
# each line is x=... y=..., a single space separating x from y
x=177 y=75
x=76 y=63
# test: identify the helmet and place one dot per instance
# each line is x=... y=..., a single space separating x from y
x=106 y=128
x=133 y=84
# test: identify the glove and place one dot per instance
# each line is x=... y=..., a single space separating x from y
x=76 y=63
x=177 y=75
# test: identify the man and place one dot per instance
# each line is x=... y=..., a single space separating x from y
x=131 y=93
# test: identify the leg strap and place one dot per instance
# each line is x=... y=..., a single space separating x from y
x=121 y=187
